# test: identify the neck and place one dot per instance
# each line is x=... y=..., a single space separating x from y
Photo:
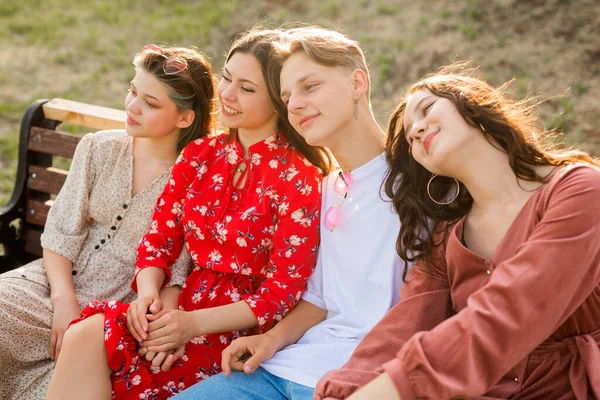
x=163 y=150
x=491 y=181
x=360 y=142
x=248 y=137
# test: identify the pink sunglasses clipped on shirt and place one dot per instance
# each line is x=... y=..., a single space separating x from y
x=341 y=186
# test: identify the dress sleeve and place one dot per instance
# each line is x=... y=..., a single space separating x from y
x=294 y=249
x=526 y=299
x=424 y=303
x=161 y=245
x=181 y=269
x=66 y=227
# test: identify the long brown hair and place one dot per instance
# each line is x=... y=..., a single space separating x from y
x=512 y=125
x=191 y=89
x=261 y=44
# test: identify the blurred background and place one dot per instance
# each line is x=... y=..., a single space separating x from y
x=82 y=50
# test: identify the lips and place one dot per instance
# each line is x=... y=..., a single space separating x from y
x=305 y=121
x=132 y=122
x=429 y=139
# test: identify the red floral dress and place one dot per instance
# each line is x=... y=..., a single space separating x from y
x=257 y=243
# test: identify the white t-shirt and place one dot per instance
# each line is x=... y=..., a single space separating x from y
x=357 y=278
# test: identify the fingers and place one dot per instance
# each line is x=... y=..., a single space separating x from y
x=253 y=362
x=140 y=321
x=159 y=358
x=142 y=351
x=172 y=358
x=232 y=357
x=136 y=318
x=163 y=347
x=53 y=344
x=156 y=305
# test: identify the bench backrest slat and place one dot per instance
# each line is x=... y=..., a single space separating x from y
x=52 y=142
x=37 y=211
x=46 y=179
x=95 y=117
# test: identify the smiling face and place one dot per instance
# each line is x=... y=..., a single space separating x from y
x=319 y=99
x=438 y=135
x=245 y=101
x=151 y=113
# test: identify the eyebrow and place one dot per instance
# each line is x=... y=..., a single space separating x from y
x=241 y=80
x=416 y=108
x=299 y=81
x=145 y=94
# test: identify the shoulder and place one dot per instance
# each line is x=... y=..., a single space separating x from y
x=106 y=141
x=201 y=145
x=574 y=179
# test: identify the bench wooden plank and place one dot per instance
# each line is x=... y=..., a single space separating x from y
x=89 y=115
x=32 y=242
x=46 y=179
x=53 y=142
x=37 y=211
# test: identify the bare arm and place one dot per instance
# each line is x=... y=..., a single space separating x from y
x=170 y=297
x=290 y=329
x=62 y=294
x=59 y=272
x=262 y=347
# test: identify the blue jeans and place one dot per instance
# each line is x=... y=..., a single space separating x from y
x=259 y=385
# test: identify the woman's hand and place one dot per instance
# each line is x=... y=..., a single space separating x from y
x=137 y=320
x=65 y=311
x=163 y=359
x=247 y=353
x=170 y=330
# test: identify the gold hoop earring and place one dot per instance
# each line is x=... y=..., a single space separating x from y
x=356 y=108
x=438 y=202
x=482 y=128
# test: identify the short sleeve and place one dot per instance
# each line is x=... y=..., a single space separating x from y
x=66 y=227
x=314 y=289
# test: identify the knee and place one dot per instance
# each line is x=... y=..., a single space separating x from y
x=90 y=330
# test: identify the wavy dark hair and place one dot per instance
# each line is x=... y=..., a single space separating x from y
x=511 y=126
x=261 y=43
x=191 y=89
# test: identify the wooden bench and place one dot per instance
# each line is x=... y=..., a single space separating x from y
x=22 y=219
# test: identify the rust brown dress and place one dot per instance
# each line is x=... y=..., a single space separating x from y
x=523 y=325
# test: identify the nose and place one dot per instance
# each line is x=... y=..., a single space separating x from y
x=295 y=104
x=132 y=105
x=418 y=129
x=228 y=93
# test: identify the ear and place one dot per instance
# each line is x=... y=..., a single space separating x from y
x=360 y=83
x=186 y=118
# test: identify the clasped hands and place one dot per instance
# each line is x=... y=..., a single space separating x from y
x=162 y=333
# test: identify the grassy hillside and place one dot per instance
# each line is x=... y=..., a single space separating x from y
x=82 y=50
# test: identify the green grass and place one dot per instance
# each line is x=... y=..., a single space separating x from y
x=82 y=50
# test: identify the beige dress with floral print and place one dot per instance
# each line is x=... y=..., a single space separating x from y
x=96 y=224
